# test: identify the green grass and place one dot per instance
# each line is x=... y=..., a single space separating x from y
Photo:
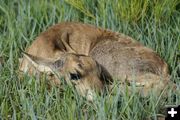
x=154 y=23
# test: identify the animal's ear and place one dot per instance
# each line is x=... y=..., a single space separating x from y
x=45 y=65
x=65 y=40
x=39 y=63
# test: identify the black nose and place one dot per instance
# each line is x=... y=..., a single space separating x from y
x=75 y=76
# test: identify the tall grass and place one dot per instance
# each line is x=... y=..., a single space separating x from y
x=154 y=23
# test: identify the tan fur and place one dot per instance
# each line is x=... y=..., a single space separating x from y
x=67 y=37
x=133 y=63
x=80 y=71
x=61 y=40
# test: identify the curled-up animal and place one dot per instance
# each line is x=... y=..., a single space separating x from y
x=68 y=47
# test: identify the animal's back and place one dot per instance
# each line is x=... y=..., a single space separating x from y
x=78 y=36
x=132 y=62
x=121 y=59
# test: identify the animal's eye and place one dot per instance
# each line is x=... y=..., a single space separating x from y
x=75 y=76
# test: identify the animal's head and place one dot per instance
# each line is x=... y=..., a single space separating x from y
x=78 y=70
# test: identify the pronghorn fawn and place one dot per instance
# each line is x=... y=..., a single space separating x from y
x=71 y=42
x=67 y=48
